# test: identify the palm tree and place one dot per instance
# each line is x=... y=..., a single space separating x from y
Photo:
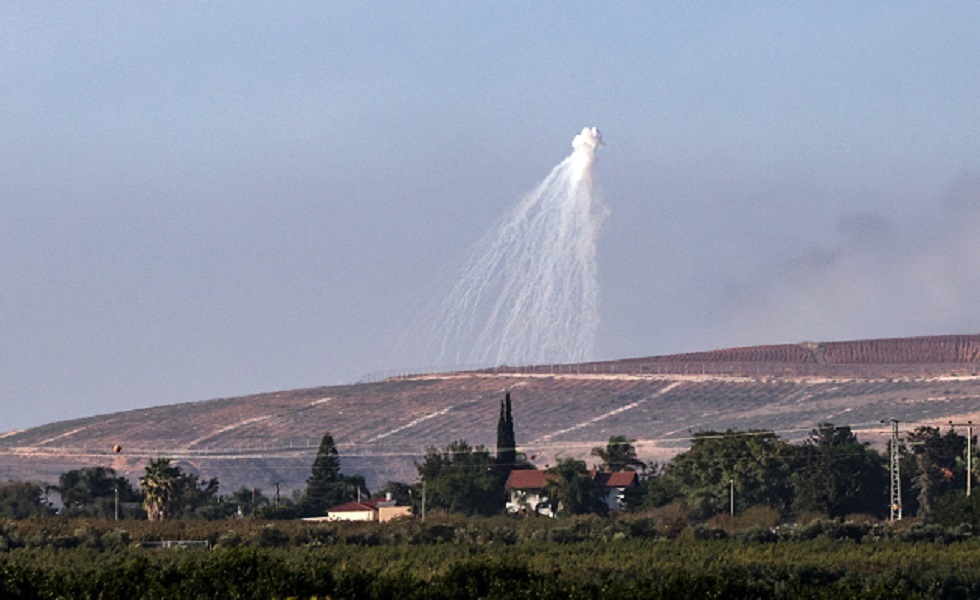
x=619 y=455
x=571 y=490
x=159 y=487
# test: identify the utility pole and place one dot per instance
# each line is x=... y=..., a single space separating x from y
x=117 y=500
x=969 y=453
x=731 y=497
x=896 y=480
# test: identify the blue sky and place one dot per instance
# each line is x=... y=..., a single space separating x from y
x=212 y=199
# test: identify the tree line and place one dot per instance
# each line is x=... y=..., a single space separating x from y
x=831 y=473
x=166 y=491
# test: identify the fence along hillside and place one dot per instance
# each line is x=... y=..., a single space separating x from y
x=891 y=357
x=936 y=349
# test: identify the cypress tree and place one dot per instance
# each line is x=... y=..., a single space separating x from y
x=506 y=440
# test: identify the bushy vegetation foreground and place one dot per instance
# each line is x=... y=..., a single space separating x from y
x=452 y=557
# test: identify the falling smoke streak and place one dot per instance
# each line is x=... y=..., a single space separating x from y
x=528 y=292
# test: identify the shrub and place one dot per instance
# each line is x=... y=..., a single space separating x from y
x=228 y=539
x=758 y=535
x=673 y=518
x=956 y=508
x=321 y=535
x=756 y=517
x=703 y=531
x=436 y=533
x=269 y=537
x=478 y=579
x=643 y=528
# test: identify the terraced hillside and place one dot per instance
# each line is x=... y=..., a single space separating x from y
x=559 y=410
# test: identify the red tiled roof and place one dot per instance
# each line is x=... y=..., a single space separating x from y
x=533 y=479
x=526 y=479
x=351 y=507
x=616 y=479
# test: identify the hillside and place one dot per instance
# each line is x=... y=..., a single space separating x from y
x=382 y=427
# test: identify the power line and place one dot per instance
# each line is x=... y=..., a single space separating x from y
x=895 y=487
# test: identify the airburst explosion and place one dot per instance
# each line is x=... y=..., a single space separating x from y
x=527 y=293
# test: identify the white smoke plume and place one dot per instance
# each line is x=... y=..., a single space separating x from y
x=527 y=292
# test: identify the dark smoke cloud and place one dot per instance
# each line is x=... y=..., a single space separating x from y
x=881 y=277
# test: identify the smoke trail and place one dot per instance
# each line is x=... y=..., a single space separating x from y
x=527 y=292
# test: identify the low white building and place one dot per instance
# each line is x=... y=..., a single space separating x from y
x=351 y=511
x=377 y=509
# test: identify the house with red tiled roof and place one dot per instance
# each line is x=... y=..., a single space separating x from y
x=526 y=495
x=525 y=492
x=613 y=486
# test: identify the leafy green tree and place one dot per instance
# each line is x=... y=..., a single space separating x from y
x=840 y=475
x=351 y=487
x=655 y=490
x=243 y=502
x=462 y=479
x=92 y=492
x=401 y=493
x=956 y=508
x=326 y=486
x=247 y=501
x=935 y=466
x=22 y=500
x=571 y=490
x=197 y=496
x=757 y=463
x=619 y=455
x=284 y=508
